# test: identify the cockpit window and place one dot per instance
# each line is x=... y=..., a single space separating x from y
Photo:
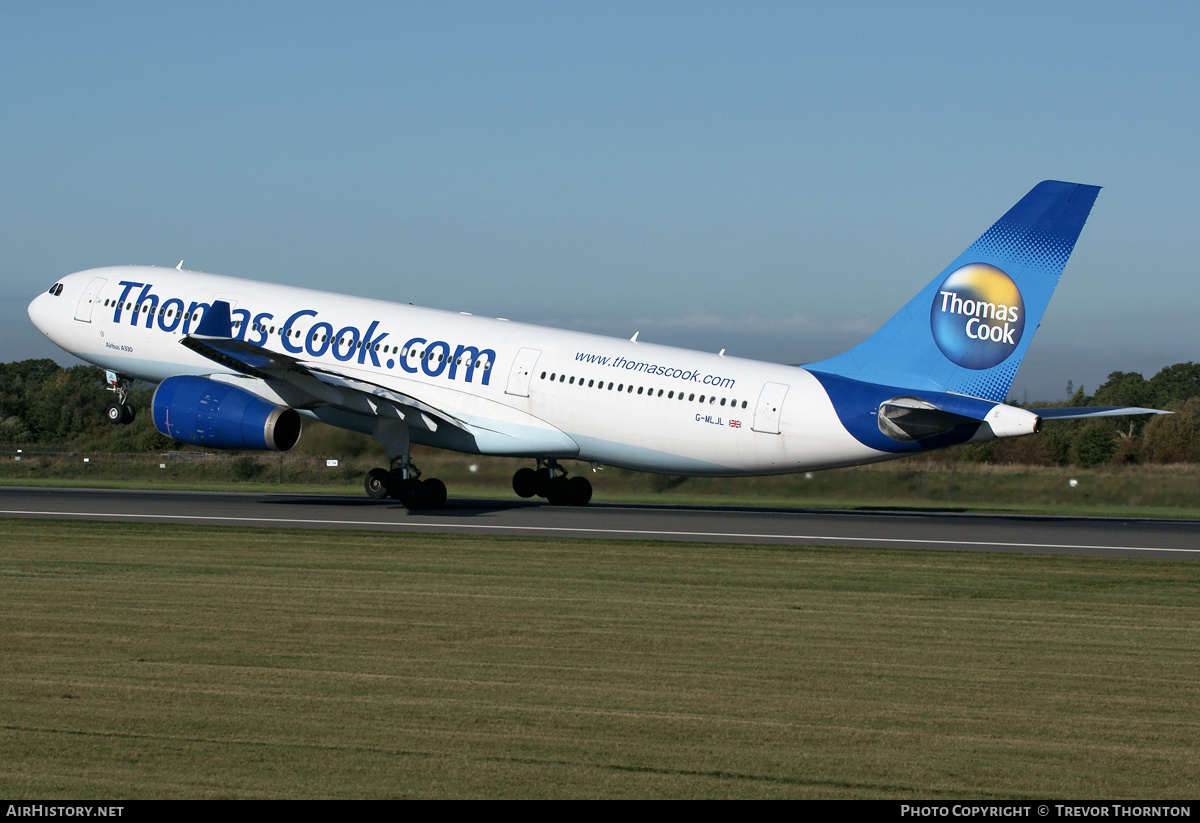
x=55 y=290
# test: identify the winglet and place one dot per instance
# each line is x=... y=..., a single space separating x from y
x=216 y=321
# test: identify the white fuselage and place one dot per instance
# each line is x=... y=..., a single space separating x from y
x=520 y=389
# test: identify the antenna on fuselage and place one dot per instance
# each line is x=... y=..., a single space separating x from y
x=180 y=266
x=634 y=338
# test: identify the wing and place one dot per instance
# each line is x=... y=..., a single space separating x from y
x=303 y=385
x=299 y=385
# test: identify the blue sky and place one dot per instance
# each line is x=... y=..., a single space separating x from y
x=773 y=179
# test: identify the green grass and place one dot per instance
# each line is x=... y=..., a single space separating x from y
x=152 y=661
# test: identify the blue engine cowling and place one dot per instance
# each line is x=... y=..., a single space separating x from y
x=220 y=416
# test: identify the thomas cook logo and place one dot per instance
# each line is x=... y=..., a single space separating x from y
x=977 y=316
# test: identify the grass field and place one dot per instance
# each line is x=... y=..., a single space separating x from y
x=151 y=661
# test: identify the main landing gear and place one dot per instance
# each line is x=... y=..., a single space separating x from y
x=119 y=413
x=550 y=481
x=402 y=480
x=405 y=484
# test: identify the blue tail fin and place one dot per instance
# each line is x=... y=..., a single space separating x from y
x=967 y=331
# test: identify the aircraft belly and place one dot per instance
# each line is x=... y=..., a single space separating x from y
x=677 y=439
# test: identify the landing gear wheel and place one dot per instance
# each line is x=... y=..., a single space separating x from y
x=558 y=493
x=580 y=491
x=407 y=491
x=119 y=413
x=398 y=483
x=434 y=493
x=525 y=482
x=378 y=483
x=542 y=482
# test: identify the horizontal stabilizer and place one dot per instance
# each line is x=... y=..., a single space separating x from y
x=1093 y=411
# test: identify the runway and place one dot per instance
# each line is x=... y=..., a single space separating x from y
x=894 y=529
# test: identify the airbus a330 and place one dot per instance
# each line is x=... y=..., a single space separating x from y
x=238 y=363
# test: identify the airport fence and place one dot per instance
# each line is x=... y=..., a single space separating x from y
x=185 y=467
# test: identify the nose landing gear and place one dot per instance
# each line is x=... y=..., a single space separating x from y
x=119 y=413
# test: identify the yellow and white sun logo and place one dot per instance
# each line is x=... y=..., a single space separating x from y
x=977 y=316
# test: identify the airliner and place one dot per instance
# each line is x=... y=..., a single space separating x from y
x=238 y=363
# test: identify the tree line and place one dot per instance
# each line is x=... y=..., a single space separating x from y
x=50 y=406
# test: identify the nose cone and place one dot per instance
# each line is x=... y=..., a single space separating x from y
x=41 y=311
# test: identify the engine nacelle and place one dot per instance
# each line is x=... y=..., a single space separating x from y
x=198 y=410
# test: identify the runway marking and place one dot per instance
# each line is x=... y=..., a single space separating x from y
x=643 y=532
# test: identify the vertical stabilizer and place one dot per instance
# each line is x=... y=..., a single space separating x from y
x=968 y=330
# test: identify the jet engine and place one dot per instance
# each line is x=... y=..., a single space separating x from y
x=198 y=410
